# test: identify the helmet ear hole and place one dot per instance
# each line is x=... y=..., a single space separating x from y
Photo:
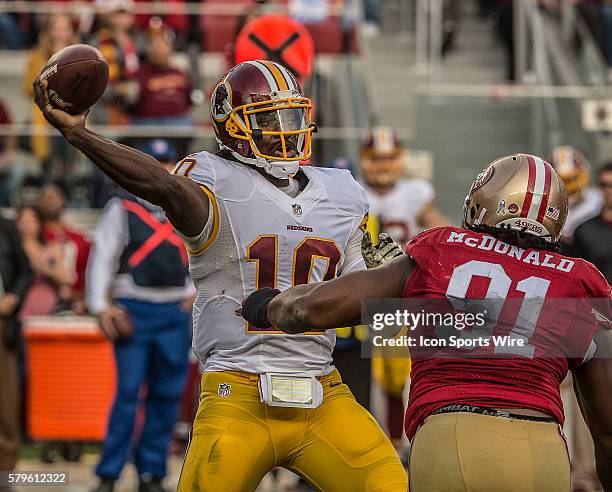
x=473 y=212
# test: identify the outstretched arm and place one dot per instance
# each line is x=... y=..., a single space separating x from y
x=330 y=304
x=591 y=384
x=135 y=171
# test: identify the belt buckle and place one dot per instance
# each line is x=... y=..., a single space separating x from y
x=290 y=390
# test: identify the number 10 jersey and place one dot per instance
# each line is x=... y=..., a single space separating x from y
x=262 y=237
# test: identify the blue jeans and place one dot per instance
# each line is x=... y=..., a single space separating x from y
x=157 y=354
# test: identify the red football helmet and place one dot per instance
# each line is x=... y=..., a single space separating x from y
x=260 y=116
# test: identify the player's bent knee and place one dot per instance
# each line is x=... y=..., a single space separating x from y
x=226 y=455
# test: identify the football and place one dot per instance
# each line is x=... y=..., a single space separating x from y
x=76 y=77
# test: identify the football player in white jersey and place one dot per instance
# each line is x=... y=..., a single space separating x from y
x=251 y=217
x=404 y=206
x=401 y=207
x=584 y=201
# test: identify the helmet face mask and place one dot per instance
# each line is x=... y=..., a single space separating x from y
x=286 y=122
x=521 y=192
x=261 y=117
x=382 y=170
x=573 y=168
x=383 y=159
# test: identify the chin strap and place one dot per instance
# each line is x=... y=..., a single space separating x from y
x=277 y=169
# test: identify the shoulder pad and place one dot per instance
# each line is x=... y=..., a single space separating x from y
x=345 y=193
x=228 y=180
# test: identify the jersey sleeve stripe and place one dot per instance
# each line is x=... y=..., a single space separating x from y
x=216 y=223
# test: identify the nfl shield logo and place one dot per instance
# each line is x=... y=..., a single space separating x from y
x=297 y=209
x=224 y=390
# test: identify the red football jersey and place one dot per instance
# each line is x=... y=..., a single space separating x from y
x=456 y=262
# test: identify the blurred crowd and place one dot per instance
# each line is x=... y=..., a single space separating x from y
x=155 y=79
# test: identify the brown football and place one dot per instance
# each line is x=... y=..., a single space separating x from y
x=76 y=76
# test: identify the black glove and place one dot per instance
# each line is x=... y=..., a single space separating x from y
x=255 y=307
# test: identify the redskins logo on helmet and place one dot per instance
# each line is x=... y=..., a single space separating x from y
x=520 y=191
x=260 y=116
x=572 y=166
x=383 y=159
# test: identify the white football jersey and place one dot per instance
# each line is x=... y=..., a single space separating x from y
x=399 y=209
x=262 y=237
x=587 y=208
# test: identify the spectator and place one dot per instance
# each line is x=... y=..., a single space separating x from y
x=178 y=21
x=55 y=154
x=15 y=278
x=11 y=174
x=593 y=239
x=164 y=91
x=10 y=33
x=139 y=263
x=73 y=245
x=47 y=263
x=50 y=275
x=116 y=42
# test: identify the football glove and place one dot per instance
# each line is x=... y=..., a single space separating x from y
x=384 y=251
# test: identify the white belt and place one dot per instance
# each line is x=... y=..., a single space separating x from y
x=290 y=390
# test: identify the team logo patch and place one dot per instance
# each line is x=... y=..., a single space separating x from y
x=297 y=209
x=501 y=210
x=513 y=208
x=482 y=178
x=552 y=212
x=224 y=390
x=219 y=101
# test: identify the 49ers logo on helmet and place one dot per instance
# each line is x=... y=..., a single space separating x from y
x=482 y=178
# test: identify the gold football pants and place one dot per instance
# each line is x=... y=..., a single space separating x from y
x=236 y=439
x=467 y=452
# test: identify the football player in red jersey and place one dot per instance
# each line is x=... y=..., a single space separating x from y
x=484 y=424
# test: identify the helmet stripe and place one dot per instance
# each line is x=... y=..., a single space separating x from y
x=266 y=73
x=530 y=184
x=538 y=188
x=279 y=76
x=546 y=191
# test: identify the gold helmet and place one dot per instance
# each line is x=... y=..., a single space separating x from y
x=572 y=166
x=520 y=191
x=383 y=160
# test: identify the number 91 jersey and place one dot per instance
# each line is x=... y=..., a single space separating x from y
x=547 y=301
x=262 y=237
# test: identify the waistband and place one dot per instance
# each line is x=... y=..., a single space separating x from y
x=492 y=412
x=247 y=383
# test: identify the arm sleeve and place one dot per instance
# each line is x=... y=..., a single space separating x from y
x=195 y=244
x=201 y=170
x=23 y=271
x=110 y=240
